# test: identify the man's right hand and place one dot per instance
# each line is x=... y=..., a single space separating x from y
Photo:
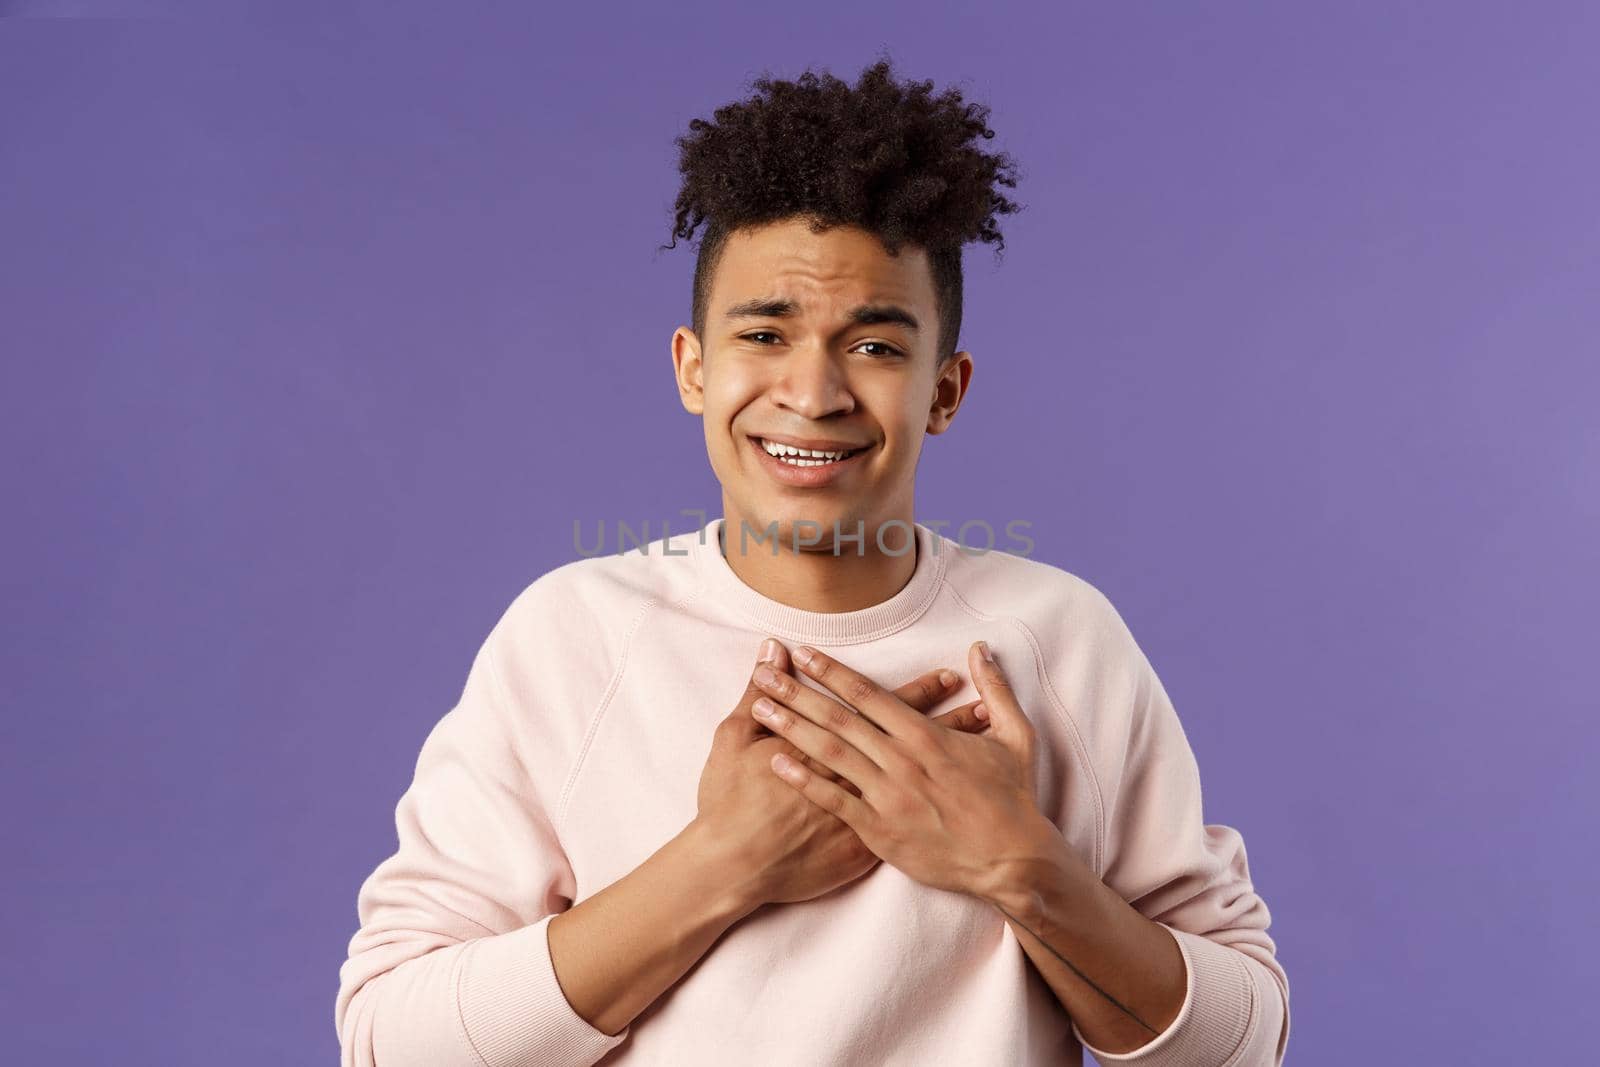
x=786 y=848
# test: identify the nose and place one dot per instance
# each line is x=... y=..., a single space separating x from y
x=811 y=384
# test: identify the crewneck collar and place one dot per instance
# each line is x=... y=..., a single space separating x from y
x=825 y=627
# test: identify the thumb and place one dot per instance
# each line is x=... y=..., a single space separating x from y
x=774 y=654
x=1008 y=721
x=746 y=725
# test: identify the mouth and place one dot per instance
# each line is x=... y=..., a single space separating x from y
x=807 y=467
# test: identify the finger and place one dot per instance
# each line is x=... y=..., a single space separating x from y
x=877 y=704
x=962 y=718
x=823 y=746
x=996 y=695
x=828 y=795
x=773 y=654
x=855 y=731
x=924 y=692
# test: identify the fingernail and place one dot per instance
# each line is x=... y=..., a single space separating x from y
x=980 y=712
x=983 y=650
x=763 y=708
x=766 y=675
x=769 y=650
x=802 y=655
x=947 y=678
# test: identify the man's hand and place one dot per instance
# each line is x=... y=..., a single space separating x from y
x=786 y=848
x=943 y=806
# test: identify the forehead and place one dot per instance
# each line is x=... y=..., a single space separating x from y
x=843 y=266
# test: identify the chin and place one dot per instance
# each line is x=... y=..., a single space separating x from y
x=823 y=520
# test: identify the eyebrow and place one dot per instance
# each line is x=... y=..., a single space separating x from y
x=864 y=314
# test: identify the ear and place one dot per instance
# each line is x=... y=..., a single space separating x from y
x=689 y=369
x=949 y=387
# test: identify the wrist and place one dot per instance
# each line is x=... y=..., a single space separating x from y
x=1033 y=860
x=733 y=887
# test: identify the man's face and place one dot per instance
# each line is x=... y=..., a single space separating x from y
x=826 y=342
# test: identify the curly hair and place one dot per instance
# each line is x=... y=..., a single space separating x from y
x=889 y=158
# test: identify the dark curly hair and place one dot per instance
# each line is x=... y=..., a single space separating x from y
x=887 y=157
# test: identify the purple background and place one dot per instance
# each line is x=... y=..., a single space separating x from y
x=321 y=328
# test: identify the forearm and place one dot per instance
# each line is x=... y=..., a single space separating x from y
x=1123 y=978
x=614 y=953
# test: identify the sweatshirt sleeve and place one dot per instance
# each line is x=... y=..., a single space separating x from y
x=450 y=966
x=1193 y=880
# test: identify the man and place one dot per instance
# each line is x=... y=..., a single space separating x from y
x=850 y=877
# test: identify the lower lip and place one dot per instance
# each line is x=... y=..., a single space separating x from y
x=806 y=477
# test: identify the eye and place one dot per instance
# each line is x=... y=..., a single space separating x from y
x=888 y=350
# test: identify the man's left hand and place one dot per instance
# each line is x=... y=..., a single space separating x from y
x=947 y=808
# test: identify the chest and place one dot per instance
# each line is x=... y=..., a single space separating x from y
x=652 y=737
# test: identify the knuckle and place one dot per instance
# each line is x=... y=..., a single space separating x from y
x=860 y=689
x=838 y=717
x=833 y=750
x=959 y=719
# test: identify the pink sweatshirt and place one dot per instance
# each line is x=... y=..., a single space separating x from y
x=575 y=752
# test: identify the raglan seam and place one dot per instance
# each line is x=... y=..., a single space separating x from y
x=612 y=686
x=1080 y=749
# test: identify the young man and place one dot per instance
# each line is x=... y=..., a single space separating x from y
x=578 y=882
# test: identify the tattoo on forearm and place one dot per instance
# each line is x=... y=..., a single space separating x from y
x=1123 y=1008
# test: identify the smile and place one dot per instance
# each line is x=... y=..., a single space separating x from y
x=806 y=467
x=803 y=457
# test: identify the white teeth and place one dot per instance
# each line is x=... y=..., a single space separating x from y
x=801 y=457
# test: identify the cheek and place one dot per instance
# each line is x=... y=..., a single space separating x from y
x=903 y=427
x=727 y=395
x=728 y=399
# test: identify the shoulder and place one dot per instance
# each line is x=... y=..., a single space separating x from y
x=594 y=599
x=557 y=648
x=1083 y=647
x=1050 y=600
x=572 y=625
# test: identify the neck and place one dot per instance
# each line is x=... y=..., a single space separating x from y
x=817 y=577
